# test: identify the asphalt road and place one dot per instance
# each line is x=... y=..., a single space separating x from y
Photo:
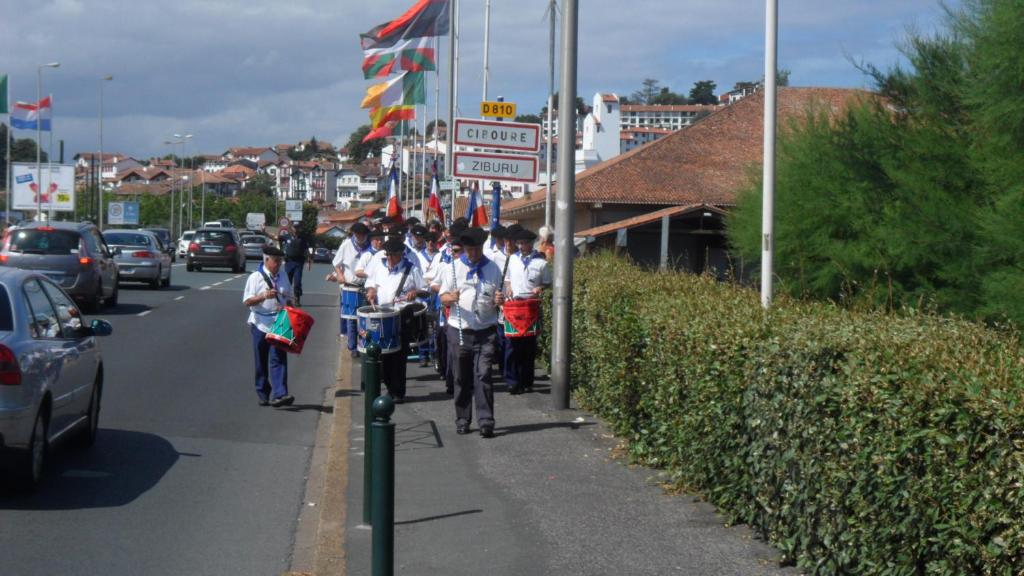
x=189 y=475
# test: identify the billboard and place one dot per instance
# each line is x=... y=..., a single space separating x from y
x=58 y=187
x=123 y=213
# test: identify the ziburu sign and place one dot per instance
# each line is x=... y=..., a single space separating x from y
x=507 y=167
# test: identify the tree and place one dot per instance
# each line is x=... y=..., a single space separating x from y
x=432 y=123
x=358 y=150
x=260 y=183
x=703 y=92
x=529 y=118
x=666 y=97
x=581 y=107
x=647 y=93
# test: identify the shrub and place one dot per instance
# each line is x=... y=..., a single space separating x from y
x=857 y=442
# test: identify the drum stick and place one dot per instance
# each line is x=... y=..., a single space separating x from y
x=455 y=280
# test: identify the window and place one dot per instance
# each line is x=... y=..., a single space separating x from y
x=67 y=313
x=43 y=320
x=45 y=241
x=127 y=238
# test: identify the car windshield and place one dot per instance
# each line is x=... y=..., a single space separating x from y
x=187 y=235
x=45 y=241
x=163 y=235
x=127 y=238
x=213 y=237
x=253 y=240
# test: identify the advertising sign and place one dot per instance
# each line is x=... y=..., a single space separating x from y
x=507 y=167
x=293 y=205
x=125 y=213
x=58 y=187
x=515 y=136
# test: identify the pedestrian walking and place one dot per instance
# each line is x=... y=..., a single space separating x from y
x=267 y=291
x=528 y=274
x=474 y=289
x=345 y=275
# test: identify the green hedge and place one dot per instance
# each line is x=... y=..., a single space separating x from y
x=858 y=443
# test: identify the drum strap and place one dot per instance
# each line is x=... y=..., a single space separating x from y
x=401 y=283
x=270 y=283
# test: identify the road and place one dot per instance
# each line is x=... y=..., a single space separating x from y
x=189 y=475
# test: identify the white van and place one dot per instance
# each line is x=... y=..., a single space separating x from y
x=222 y=223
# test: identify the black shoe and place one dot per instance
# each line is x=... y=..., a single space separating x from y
x=398 y=399
x=487 y=431
x=449 y=391
x=354 y=353
x=282 y=401
x=462 y=429
x=515 y=390
x=264 y=402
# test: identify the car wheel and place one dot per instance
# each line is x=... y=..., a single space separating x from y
x=112 y=301
x=95 y=303
x=198 y=268
x=35 y=460
x=189 y=267
x=167 y=282
x=155 y=283
x=93 y=423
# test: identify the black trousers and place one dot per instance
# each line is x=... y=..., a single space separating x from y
x=520 y=362
x=393 y=370
x=473 y=386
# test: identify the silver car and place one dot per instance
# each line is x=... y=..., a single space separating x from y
x=140 y=257
x=253 y=245
x=184 y=241
x=51 y=372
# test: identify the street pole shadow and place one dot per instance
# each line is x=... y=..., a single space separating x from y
x=417 y=436
x=122 y=466
x=438 y=517
x=525 y=428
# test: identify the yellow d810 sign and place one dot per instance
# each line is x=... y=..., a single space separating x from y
x=498 y=109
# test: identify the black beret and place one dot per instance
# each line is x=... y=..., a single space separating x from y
x=387 y=220
x=394 y=244
x=499 y=231
x=359 y=228
x=525 y=234
x=457 y=228
x=419 y=230
x=273 y=251
x=376 y=234
x=473 y=237
x=460 y=220
x=412 y=221
x=430 y=237
x=512 y=230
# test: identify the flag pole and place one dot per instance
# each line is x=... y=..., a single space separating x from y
x=768 y=176
x=10 y=169
x=49 y=164
x=39 y=147
x=449 y=152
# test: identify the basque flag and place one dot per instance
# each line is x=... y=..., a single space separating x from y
x=476 y=213
x=25 y=116
x=425 y=18
x=394 y=210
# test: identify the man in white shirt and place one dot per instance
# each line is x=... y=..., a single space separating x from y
x=394 y=281
x=475 y=293
x=345 y=273
x=266 y=292
x=528 y=274
x=441 y=265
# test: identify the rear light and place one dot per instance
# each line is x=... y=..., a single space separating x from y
x=3 y=259
x=193 y=247
x=10 y=372
x=46 y=228
x=143 y=254
x=230 y=248
x=85 y=261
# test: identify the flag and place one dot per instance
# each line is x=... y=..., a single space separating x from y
x=382 y=132
x=406 y=89
x=394 y=210
x=412 y=55
x=425 y=18
x=495 y=207
x=476 y=213
x=383 y=115
x=3 y=95
x=25 y=116
x=435 y=198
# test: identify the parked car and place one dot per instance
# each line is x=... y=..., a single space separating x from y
x=51 y=372
x=139 y=258
x=167 y=245
x=184 y=241
x=222 y=223
x=74 y=255
x=215 y=247
x=322 y=255
x=253 y=246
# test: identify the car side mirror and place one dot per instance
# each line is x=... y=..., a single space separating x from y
x=101 y=328
x=116 y=251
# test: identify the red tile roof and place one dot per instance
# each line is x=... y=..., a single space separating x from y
x=669 y=108
x=609 y=98
x=645 y=219
x=706 y=163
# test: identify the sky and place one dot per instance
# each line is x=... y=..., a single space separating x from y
x=259 y=73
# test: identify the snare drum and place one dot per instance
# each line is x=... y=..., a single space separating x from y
x=415 y=324
x=352 y=299
x=380 y=325
x=521 y=317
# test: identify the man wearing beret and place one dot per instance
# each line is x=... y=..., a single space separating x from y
x=528 y=274
x=345 y=272
x=394 y=280
x=267 y=291
x=439 y=268
x=474 y=291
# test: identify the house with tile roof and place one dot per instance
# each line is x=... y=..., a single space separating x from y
x=693 y=174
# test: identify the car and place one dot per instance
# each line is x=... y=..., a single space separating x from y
x=322 y=255
x=222 y=223
x=165 y=240
x=140 y=257
x=184 y=241
x=74 y=255
x=253 y=245
x=51 y=373
x=215 y=247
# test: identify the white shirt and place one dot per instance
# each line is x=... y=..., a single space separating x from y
x=262 y=315
x=385 y=280
x=423 y=258
x=498 y=256
x=476 y=309
x=347 y=258
x=438 y=267
x=526 y=274
x=365 y=259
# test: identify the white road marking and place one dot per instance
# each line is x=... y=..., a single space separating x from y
x=179 y=298
x=141 y=314
x=217 y=283
x=206 y=287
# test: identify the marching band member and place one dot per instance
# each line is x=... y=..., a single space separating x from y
x=365 y=262
x=528 y=274
x=439 y=267
x=474 y=289
x=267 y=291
x=345 y=273
x=394 y=280
x=495 y=250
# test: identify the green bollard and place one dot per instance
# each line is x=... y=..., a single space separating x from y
x=384 y=487
x=371 y=378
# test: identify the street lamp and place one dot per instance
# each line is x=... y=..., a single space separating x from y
x=39 y=137
x=181 y=221
x=100 y=208
x=171 y=227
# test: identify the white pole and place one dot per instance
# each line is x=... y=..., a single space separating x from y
x=452 y=41
x=487 y=44
x=49 y=166
x=551 y=100
x=768 y=195
x=10 y=170
x=39 y=148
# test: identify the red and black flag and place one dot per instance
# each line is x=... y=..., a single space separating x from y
x=426 y=18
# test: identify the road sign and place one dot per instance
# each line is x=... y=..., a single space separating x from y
x=507 y=167
x=294 y=215
x=498 y=109
x=293 y=205
x=447 y=184
x=284 y=222
x=123 y=213
x=499 y=135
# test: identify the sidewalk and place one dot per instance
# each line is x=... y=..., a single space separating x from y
x=544 y=496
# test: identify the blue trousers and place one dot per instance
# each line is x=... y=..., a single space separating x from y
x=349 y=329
x=520 y=362
x=271 y=367
x=294 y=272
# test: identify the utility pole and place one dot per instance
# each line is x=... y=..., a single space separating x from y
x=99 y=210
x=553 y=10
x=768 y=176
x=452 y=40
x=566 y=207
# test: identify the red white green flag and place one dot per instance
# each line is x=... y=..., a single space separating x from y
x=412 y=55
x=406 y=89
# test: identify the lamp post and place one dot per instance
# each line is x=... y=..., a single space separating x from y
x=171 y=227
x=39 y=138
x=181 y=221
x=99 y=209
